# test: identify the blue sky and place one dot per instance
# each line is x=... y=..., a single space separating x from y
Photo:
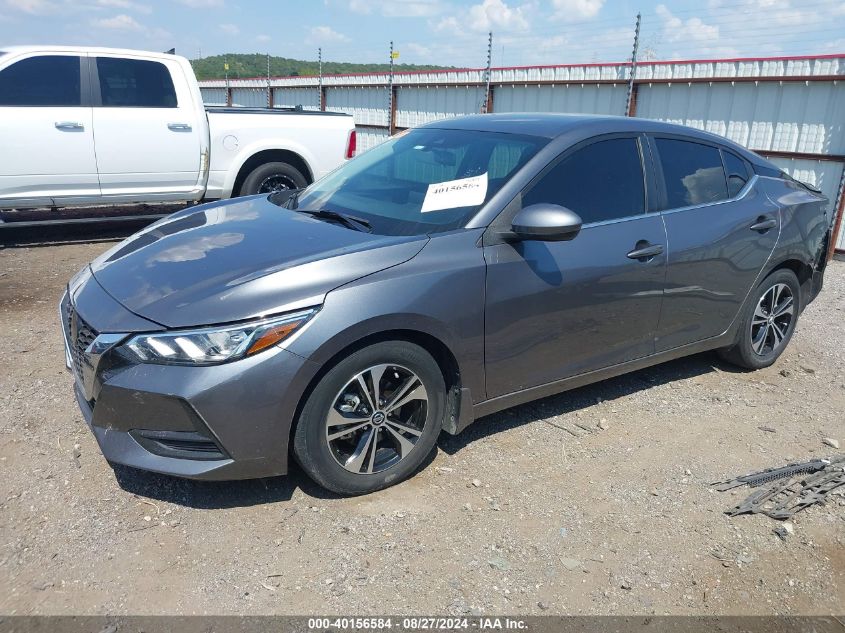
x=448 y=32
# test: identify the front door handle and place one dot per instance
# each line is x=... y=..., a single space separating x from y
x=179 y=127
x=643 y=251
x=68 y=125
x=764 y=223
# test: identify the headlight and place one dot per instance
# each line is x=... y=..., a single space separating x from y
x=208 y=346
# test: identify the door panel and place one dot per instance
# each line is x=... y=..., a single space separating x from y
x=558 y=309
x=145 y=129
x=717 y=245
x=714 y=259
x=48 y=141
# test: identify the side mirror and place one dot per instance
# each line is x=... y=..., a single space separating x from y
x=545 y=222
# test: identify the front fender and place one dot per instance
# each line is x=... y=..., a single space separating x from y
x=438 y=293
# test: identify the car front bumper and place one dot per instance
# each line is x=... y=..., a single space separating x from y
x=228 y=421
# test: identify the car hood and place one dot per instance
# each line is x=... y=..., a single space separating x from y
x=240 y=259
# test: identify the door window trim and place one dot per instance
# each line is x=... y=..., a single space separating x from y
x=660 y=177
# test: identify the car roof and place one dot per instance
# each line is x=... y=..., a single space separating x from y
x=128 y=52
x=552 y=125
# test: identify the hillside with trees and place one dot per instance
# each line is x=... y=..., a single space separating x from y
x=255 y=65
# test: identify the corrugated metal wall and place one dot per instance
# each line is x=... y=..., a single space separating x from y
x=790 y=117
x=573 y=98
x=791 y=109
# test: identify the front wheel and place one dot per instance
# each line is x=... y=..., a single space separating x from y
x=272 y=177
x=372 y=419
x=768 y=323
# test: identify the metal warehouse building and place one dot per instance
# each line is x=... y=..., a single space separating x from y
x=789 y=109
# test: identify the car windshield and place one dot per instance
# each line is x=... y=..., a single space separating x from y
x=424 y=181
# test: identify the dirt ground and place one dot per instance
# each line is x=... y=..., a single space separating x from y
x=514 y=516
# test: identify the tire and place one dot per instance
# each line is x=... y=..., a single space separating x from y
x=758 y=347
x=346 y=463
x=270 y=177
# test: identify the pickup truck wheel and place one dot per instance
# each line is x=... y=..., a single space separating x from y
x=271 y=177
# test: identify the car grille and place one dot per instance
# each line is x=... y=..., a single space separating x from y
x=79 y=335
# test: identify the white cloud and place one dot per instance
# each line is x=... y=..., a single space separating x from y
x=489 y=15
x=126 y=5
x=398 y=8
x=120 y=22
x=202 y=4
x=326 y=34
x=229 y=29
x=263 y=38
x=577 y=9
x=694 y=29
x=32 y=7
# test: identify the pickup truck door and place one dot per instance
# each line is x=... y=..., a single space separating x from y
x=47 y=136
x=146 y=129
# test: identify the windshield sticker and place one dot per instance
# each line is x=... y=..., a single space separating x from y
x=466 y=192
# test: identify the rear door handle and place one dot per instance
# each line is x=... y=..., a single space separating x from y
x=178 y=127
x=643 y=251
x=68 y=125
x=764 y=223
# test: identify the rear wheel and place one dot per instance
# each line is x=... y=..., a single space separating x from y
x=769 y=321
x=372 y=419
x=272 y=177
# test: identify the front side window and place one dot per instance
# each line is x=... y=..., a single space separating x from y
x=135 y=83
x=426 y=180
x=693 y=173
x=47 y=80
x=602 y=181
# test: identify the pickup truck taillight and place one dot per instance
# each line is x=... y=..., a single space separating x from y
x=351 y=144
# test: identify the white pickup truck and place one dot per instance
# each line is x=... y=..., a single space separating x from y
x=85 y=126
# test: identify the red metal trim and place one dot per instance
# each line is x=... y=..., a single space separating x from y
x=773 y=153
x=635 y=91
x=594 y=82
x=661 y=62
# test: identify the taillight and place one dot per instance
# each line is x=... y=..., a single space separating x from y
x=351 y=144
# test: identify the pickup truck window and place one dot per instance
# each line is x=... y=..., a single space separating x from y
x=135 y=83
x=47 y=80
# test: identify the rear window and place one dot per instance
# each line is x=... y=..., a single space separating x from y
x=135 y=83
x=693 y=173
x=47 y=80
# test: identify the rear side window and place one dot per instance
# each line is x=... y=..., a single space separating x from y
x=737 y=172
x=135 y=83
x=693 y=173
x=48 y=80
x=602 y=181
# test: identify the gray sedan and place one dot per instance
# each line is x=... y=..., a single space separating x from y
x=455 y=270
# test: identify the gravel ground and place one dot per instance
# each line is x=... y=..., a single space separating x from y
x=516 y=515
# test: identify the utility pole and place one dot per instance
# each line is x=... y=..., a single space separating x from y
x=630 y=103
x=390 y=104
x=228 y=89
x=320 y=78
x=486 y=106
x=269 y=89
